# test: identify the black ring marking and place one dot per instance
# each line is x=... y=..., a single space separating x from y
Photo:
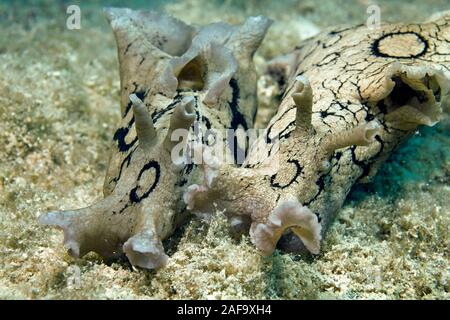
x=152 y=164
x=299 y=170
x=376 y=50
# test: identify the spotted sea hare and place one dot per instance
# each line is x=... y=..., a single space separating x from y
x=349 y=97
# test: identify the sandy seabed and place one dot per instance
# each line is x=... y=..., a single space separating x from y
x=59 y=105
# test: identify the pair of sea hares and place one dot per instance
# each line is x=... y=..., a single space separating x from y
x=349 y=97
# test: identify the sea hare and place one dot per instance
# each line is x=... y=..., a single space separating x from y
x=348 y=97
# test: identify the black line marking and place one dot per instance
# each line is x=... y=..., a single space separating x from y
x=286 y=132
x=120 y=136
x=127 y=48
x=126 y=161
x=158 y=114
x=237 y=119
x=321 y=184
